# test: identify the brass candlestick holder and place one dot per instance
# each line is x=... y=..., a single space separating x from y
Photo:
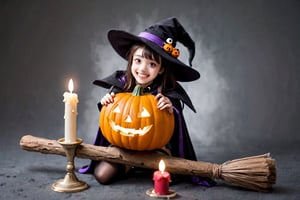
x=70 y=183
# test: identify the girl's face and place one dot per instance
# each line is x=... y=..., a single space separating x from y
x=144 y=70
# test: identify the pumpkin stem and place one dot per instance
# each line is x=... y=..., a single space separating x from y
x=137 y=91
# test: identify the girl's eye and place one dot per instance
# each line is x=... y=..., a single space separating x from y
x=137 y=60
x=152 y=64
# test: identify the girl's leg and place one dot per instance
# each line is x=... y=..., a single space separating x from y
x=105 y=171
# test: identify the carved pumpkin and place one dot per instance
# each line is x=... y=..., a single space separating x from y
x=175 y=52
x=134 y=122
x=168 y=48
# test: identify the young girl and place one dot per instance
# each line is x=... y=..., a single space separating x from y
x=153 y=64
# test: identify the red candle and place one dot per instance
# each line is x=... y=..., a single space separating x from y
x=161 y=180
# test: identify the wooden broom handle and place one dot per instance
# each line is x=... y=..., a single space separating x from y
x=144 y=159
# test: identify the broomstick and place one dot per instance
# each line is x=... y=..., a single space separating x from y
x=256 y=173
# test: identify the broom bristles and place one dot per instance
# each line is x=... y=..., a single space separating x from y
x=256 y=172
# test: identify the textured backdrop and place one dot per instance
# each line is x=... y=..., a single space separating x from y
x=248 y=54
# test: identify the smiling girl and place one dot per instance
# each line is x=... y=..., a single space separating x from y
x=152 y=63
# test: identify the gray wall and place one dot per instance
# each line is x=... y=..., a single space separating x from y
x=248 y=54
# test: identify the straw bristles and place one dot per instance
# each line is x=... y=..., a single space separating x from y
x=256 y=172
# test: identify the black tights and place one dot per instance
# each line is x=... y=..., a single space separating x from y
x=106 y=172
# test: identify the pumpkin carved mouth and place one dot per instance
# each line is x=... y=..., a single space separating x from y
x=129 y=131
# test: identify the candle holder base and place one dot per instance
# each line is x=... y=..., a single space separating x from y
x=70 y=183
x=152 y=193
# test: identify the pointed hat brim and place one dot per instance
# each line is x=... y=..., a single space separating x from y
x=122 y=42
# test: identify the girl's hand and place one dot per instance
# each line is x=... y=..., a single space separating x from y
x=107 y=99
x=164 y=102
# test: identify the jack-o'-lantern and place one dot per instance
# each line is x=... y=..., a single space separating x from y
x=168 y=48
x=134 y=122
x=175 y=52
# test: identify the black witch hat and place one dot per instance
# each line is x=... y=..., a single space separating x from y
x=161 y=38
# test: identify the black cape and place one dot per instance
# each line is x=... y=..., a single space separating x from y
x=180 y=144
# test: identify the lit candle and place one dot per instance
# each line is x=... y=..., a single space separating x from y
x=161 y=180
x=71 y=100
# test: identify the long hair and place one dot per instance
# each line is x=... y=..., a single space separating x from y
x=165 y=81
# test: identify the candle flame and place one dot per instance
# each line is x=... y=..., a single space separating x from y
x=161 y=166
x=71 y=85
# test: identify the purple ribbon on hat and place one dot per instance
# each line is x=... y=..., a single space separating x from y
x=152 y=38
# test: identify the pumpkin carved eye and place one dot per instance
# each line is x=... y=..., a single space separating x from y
x=144 y=113
x=117 y=110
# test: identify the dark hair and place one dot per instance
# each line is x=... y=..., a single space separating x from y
x=166 y=81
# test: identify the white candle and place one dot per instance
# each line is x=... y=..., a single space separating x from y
x=71 y=100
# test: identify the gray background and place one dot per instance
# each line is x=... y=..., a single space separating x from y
x=247 y=99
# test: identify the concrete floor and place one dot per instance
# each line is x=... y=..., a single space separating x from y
x=29 y=175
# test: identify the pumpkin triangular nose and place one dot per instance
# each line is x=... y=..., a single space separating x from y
x=128 y=119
